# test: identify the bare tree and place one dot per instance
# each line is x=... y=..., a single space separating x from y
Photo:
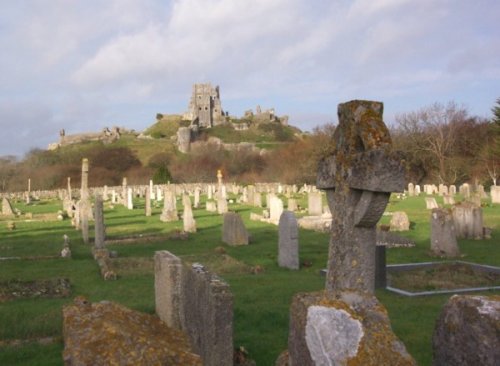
x=433 y=131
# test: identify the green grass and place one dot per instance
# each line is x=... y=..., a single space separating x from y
x=261 y=302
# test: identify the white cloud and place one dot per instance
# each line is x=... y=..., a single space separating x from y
x=122 y=59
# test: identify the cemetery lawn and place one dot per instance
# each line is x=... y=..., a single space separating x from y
x=31 y=328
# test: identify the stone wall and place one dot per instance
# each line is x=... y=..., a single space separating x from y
x=192 y=299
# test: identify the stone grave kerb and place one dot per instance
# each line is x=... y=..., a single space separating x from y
x=358 y=176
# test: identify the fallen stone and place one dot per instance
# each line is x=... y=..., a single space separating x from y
x=106 y=333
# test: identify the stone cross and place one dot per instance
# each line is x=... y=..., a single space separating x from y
x=358 y=177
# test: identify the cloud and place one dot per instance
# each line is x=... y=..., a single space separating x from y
x=93 y=63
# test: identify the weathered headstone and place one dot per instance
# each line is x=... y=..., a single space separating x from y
x=66 y=251
x=169 y=212
x=465 y=190
x=443 y=234
x=346 y=323
x=257 y=199
x=189 y=223
x=358 y=178
x=221 y=205
x=211 y=206
x=198 y=302
x=197 y=192
x=467 y=332
x=411 y=189
x=314 y=204
x=234 y=231
x=399 y=221
x=130 y=203
x=288 y=245
x=147 y=203
x=99 y=228
x=417 y=190
x=275 y=209
x=292 y=204
x=453 y=190
x=495 y=194
x=468 y=219
x=6 y=207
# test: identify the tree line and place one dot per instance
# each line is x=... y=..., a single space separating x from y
x=441 y=143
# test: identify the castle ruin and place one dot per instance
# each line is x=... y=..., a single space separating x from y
x=205 y=109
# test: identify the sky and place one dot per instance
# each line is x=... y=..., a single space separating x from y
x=83 y=65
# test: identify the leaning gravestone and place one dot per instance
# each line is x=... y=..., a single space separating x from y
x=346 y=323
x=6 y=207
x=288 y=245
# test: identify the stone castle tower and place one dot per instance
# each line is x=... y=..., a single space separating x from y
x=205 y=108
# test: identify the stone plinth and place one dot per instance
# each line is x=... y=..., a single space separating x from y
x=354 y=331
x=467 y=332
x=106 y=333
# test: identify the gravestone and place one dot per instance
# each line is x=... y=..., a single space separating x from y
x=358 y=178
x=292 y=204
x=314 y=204
x=430 y=203
x=234 y=231
x=6 y=207
x=495 y=194
x=288 y=245
x=189 y=223
x=147 y=204
x=275 y=209
x=448 y=199
x=465 y=190
x=346 y=323
x=467 y=332
x=196 y=203
x=221 y=205
x=411 y=189
x=191 y=299
x=99 y=223
x=211 y=206
x=169 y=212
x=443 y=234
x=468 y=219
x=257 y=199
x=130 y=203
x=399 y=221
x=84 y=206
x=417 y=190
x=453 y=190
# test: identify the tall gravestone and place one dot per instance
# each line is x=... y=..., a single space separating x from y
x=169 y=212
x=188 y=220
x=346 y=323
x=358 y=178
x=99 y=229
x=147 y=203
x=288 y=245
x=84 y=206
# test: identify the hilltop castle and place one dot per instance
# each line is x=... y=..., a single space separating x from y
x=205 y=109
